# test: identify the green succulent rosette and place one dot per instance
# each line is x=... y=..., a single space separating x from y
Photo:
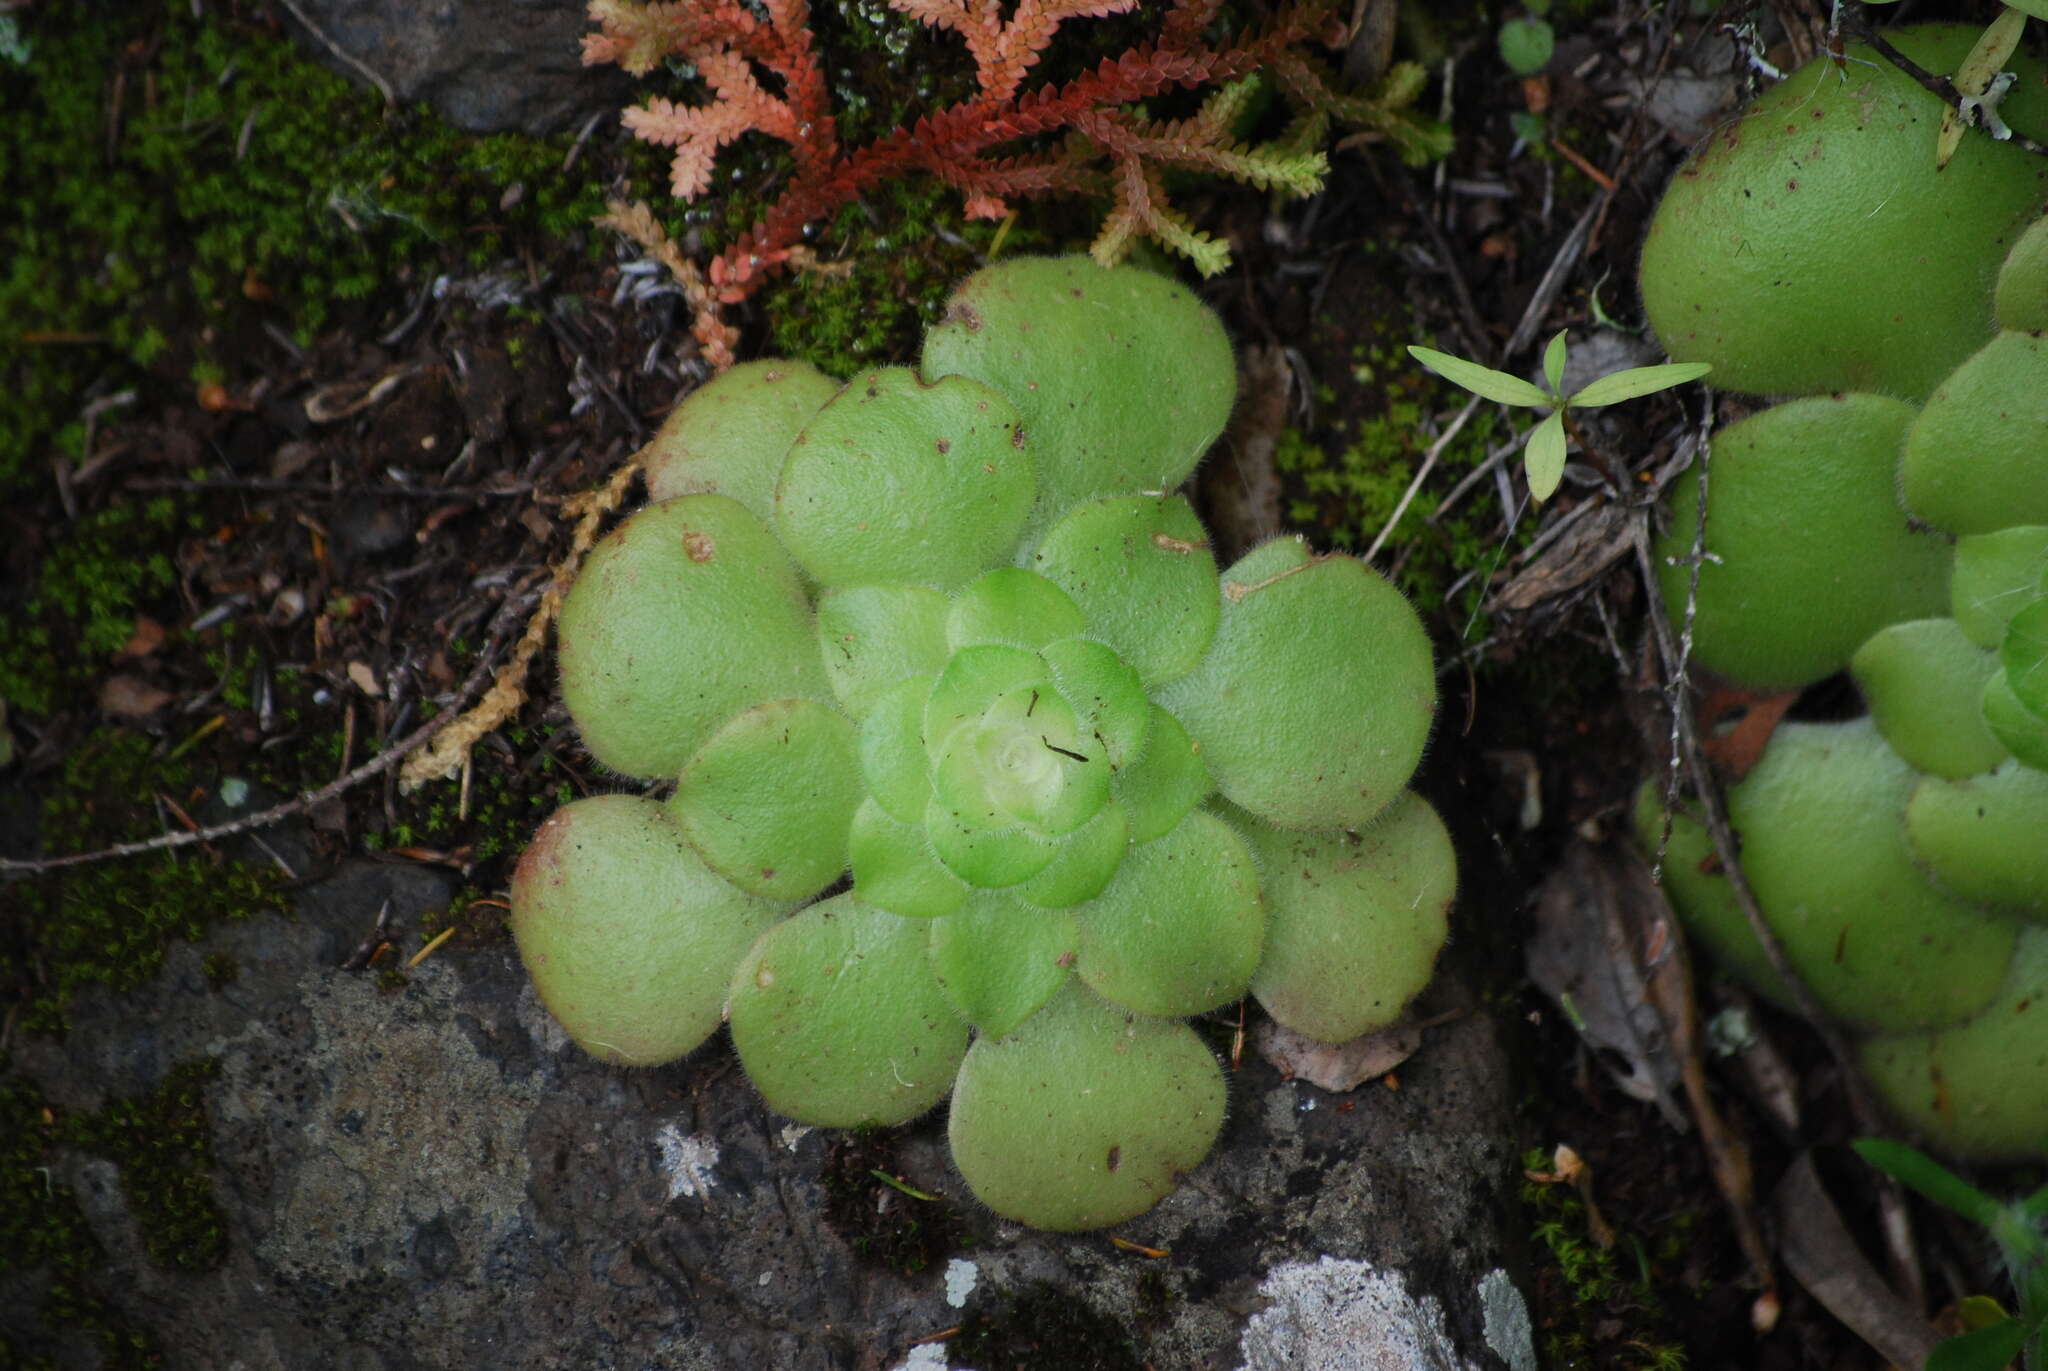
x=1889 y=518
x=985 y=778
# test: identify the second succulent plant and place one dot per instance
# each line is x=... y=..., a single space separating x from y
x=1892 y=520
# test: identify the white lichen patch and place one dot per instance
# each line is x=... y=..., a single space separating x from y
x=929 y=1357
x=960 y=1278
x=1506 y=1316
x=686 y=1159
x=1336 y=1315
x=792 y=1134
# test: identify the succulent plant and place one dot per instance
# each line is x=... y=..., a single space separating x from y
x=1891 y=519
x=948 y=630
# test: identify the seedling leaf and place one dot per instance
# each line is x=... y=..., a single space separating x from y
x=1918 y=1171
x=1553 y=364
x=1544 y=456
x=1484 y=382
x=1637 y=382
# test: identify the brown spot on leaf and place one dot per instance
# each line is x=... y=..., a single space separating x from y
x=700 y=547
x=1116 y=1158
x=944 y=445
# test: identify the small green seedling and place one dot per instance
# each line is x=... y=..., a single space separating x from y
x=1543 y=455
x=2020 y=1228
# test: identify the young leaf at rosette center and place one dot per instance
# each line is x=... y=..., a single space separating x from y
x=1354 y=921
x=1123 y=376
x=1024 y=761
x=1314 y=702
x=989 y=857
x=1166 y=781
x=1106 y=694
x=684 y=615
x=767 y=800
x=1084 y=1116
x=1140 y=568
x=1087 y=858
x=1996 y=576
x=974 y=680
x=892 y=753
x=1180 y=927
x=2024 y=655
x=729 y=435
x=999 y=960
x=871 y=637
x=838 y=1021
x=1011 y=605
x=629 y=937
x=1923 y=680
x=2023 y=732
x=900 y=481
x=894 y=869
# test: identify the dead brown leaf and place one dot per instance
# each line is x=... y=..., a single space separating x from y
x=147 y=637
x=1337 y=1067
x=131 y=697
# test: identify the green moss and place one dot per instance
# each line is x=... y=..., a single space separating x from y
x=1348 y=481
x=160 y=1145
x=110 y=923
x=160 y=1142
x=84 y=602
x=904 y=249
x=175 y=178
x=1602 y=1306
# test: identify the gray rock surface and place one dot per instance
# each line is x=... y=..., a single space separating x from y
x=432 y=1176
x=484 y=65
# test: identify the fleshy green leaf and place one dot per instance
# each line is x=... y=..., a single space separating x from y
x=629 y=936
x=1014 y=606
x=1141 y=570
x=1484 y=382
x=1637 y=382
x=999 y=960
x=1553 y=363
x=896 y=480
x=1180 y=927
x=1166 y=781
x=874 y=636
x=768 y=798
x=894 y=869
x=1544 y=456
x=987 y=857
x=1107 y=697
x=892 y=753
x=1087 y=858
x=2024 y=654
x=838 y=1020
x=1987 y=1349
x=1084 y=1116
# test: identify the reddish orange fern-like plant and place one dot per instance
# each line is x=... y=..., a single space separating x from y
x=1085 y=136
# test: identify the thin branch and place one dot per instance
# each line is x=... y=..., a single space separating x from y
x=1436 y=450
x=1940 y=87
x=501 y=626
